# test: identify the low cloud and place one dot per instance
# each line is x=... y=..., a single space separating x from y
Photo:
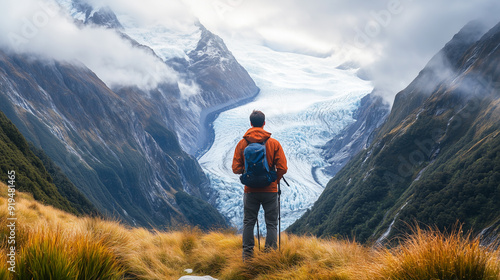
x=394 y=39
x=42 y=28
x=171 y=14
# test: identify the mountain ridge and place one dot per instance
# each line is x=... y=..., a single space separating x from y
x=75 y=152
x=127 y=148
x=440 y=128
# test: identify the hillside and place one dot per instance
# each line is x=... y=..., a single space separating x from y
x=125 y=128
x=128 y=164
x=52 y=244
x=35 y=173
x=436 y=160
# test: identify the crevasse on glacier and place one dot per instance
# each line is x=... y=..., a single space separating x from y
x=307 y=101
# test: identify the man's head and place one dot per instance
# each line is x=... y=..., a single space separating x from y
x=257 y=119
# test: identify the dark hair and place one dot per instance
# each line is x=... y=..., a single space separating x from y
x=257 y=118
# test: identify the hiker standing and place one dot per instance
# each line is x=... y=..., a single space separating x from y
x=261 y=193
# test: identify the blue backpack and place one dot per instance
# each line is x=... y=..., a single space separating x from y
x=257 y=173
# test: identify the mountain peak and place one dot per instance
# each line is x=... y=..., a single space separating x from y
x=461 y=41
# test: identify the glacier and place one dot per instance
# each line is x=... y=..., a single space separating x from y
x=307 y=101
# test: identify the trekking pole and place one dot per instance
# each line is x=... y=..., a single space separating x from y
x=279 y=216
x=285 y=181
x=258 y=231
x=279 y=211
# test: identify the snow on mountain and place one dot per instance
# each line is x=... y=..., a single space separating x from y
x=93 y=99
x=205 y=75
x=167 y=43
x=307 y=101
x=166 y=39
x=70 y=8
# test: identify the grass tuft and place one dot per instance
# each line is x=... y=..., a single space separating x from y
x=59 y=254
x=94 y=261
x=44 y=258
x=4 y=272
x=430 y=254
x=56 y=245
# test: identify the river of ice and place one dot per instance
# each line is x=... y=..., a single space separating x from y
x=307 y=101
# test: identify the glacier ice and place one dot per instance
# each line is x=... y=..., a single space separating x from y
x=307 y=101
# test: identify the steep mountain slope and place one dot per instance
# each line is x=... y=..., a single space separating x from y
x=370 y=115
x=209 y=77
x=36 y=174
x=222 y=81
x=99 y=142
x=125 y=147
x=437 y=158
x=219 y=80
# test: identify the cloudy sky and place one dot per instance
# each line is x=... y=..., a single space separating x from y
x=42 y=27
x=393 y=38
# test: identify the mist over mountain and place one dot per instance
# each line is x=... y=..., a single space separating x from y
x=435 y=160
x=121 y=136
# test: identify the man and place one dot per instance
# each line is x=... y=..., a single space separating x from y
x=267 y=196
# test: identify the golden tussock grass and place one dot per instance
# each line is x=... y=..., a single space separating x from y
x=430 y=254
x=53 y=244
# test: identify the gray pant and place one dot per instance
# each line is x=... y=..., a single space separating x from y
x=252 y=202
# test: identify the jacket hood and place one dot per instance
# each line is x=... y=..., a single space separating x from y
x=256 y=134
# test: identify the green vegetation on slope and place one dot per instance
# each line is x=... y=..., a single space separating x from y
x=199 y=212
x=115 y=147
x=435 y=161
x=37 y=175
x=463 y=183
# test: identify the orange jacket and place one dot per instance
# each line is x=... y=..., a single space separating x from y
x=274 y=154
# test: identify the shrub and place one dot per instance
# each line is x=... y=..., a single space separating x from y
x=92 y=260
x=429 y=254
x=44 y=259
x=54 y=254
